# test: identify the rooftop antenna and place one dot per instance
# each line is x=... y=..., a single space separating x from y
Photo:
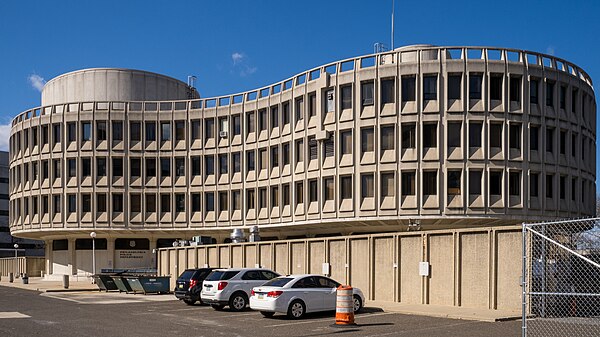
x=191 y=81
x=192 y=93
x=393 y=5
x=379 y=47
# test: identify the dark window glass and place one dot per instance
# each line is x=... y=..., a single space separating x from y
x=117 y=131
x=409 y=135
x=495 y=183
x=454 y=86
x=475 y=129
x=534 y=137
x=179 y=130
x=135 y=167
x=515 y=89
x=117 y=168
x=475 y=182
x=453 y=183
x=101 y=203
x=180 y=167
x=100 y=131
x=346 y=97
x=165 y=167
x=150 y=131
x=151 y=203
x=346 y=187
x=367 y=93
x=495 y=135
x=196 y=165
x=388 y=91
x=514 y=183
x=117 y=203
x=496 y=87
x=429 y=135
x=533 y=91
x=550 y=94
x=429 y=87
x=150 y=167
x=475 y=83
x=515 y=136
x=430 y=182
x=135 y=132
x=165 y=203
x=209 y=163
x=409 y=88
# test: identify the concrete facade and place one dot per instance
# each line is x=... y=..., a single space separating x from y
x=436 y=137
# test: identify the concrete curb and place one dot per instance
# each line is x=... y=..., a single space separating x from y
x=482 y=315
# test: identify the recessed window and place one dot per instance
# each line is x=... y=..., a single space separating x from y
x=387 y=141
x=409 y=135
x=454 y=134
x=180 y=167
x=409 y=88
x=196 y=202
x=135 y=201
x=475 y=182
x=86 y=203
x=475 y=84
x=209 y=128
x=179 y=202
x=514 y=138
x=150 y=167
x=179 y=130
x=101 y=202
x=86 y=168
x=209 y=165
x=299 y=109
x=312 y=104
x=135 y=167
x=299 y=193
x=514 y=184
x=496 y=87
x=515 y=89
x=550 y=94
x=313 y=148
x=495 y=183
x=56 y=133
x=574 y=95
x=150 y=203
x=71 y=167
x=237 y=125
x=562 y=97
x=388 y=184
x=285 y=152
x=328 y=188
x=285 y=113
x=299 y=151
x=475 y=129
x=250 y=123
x=534 y=91
x=430 y=183
x=165 y=167
x=453 y=183
x=262 y=120
x=250 y=164
x=367 y=140
x=150 y=131
x=223 y=204
x=388 y=91
x=236 y=160
x=329 y=98
x=313 y=193
x=573 y=145
x=329 y=147
x=274 y=196
x=346 y=142
x=195 y=130
x=346 y=187
x=71 y=202
x=223 y=164
x=285 y=194
x=496 y=135
x=236 y=200
x=274 y=116
x=534 y=137
x=549 y=185
x=274 y=156
x=454 y=86
x=196 y=165
x=117 y=131
x=86 y=132
x=549 y=139
x=367 y=185
x=135 y=132
x=429 y=135
x=563 y=142
x=100 y=131
x=117 y=202
x=573 y=188
x=262 y=159
x=367 y=93
x=346 y=97
x=165 y=203
x=429 y=87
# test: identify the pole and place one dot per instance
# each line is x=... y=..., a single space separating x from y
x=393 y=5
x=94 y=256
x=524 y=282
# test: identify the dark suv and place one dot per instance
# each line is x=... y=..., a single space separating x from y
x=189 y=284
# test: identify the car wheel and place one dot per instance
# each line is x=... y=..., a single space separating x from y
x=267 y=314
x=238 y=302
x=189 y=302
x=218 y=307
x=357 y=303
x=296 y=309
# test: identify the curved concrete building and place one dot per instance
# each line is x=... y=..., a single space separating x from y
x=436 y=137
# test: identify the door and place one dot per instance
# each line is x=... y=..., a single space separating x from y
x=307 y=290
x=328 y=289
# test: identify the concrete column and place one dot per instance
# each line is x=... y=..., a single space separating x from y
x=110 y=251
x=154 y=252
x=49 y=257
x=72 y=262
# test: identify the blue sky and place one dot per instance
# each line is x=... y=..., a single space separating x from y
x=233 y=46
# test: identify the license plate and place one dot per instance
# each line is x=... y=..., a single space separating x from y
x=181 y=286
x=261 y=296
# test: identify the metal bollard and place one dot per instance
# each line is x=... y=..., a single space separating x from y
x=65 y=281
x=25 y=278
x=11 y=277
x=344 y=307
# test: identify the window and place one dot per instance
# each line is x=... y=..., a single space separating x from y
x=514 y=136
x=180 y=167
x=56 y=168
x=299 y=193
x=209 y=128
x=179 y=130
x=475 y=182
x=549 y=139
x=429 y=135
x=313 y=149
x=209 y=165
x=574 y=95
x=274 y=156
x=550 y=94
x=285 y=115
x=330 y=100
x=563 y=142
x=262 y=159
x=346 y=97
x=165 y=167
x=86 y=203
x=274 y=196
x=117 y=168
x=495 y=183
x=549 y=187
x=250 y=123
x=562 y=97
x=195 y=130
x=179 y=202
x=475 y=129
x=100 y=131
x=534 y=135
x=135 y=167
x=237 y=125
x=223 y=161
x=409 y=88
x=328 y=188
x=150 y=203
x=196 y=202
x=135 y=133
x=387 y=138
x=573 y=145
x=454 y=86
x=135 y=201
x=250 y=165
x=165 y=203
x=299 y=151
x=573 y=188
x=346 y=187
x=223 y=201
x=533 y=91
x=346 y=142
x=262 y=120
x=388 y=185
x=367 y=93
x=285 y=151
x=453 y=183
x=495 y=135
x=429 y=182
x=117 y=202
x=237 y=162
x=86 y=131
x=313 y=191
x=496 y=87
x=408 y=183
x=388 y=91
x=429 y=87
x=150 y=167
x=274 y=117
x=299 y=109
x=56 y=133
x=117 y=131
x=409 y=135
x=86 y=167
x=312 y=104
x=514 y=184
x=367 y=140
x=534 y=184
x=562 y=187
x=72 y=167
x=515 y=89
x=196 y=165
x=454 y=134
x=367 y=185
x=101 y=203
x=236 y=200
x=72 y=203
x=475 y=84
x=150 y=131
x=224 y=125
x=34 y=136
x=329 y=147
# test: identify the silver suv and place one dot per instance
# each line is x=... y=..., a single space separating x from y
x=232 y=286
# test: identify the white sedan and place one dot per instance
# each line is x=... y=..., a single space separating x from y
x=296 y=295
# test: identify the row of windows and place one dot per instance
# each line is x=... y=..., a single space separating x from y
x=152 y=131
x=566 y=188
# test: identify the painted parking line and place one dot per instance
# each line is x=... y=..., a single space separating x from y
x=330 y=319
x=13 y=314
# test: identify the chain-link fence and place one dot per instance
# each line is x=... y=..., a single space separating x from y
x=561 y=278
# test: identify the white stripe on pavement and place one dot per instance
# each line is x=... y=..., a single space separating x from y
x=13 y=314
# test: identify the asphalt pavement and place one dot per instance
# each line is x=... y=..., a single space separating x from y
x=30 y=313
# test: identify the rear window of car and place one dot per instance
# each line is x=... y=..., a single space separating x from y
x=187 y=274
x=219 y=275
x=278 y=282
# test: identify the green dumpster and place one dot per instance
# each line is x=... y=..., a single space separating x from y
x=121 y=283
x=149 y=284
x=105 y=282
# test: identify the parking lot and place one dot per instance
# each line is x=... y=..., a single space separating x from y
x=29 y=313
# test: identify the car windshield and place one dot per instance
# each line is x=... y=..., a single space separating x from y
x=219 y=275
x=278 y=282
x=187 y=274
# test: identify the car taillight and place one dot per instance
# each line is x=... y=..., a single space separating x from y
x=252 y=293
x=222 y=285
x=274 y=294
x=193 y=283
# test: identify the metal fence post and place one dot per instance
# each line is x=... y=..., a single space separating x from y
x=524 y=282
